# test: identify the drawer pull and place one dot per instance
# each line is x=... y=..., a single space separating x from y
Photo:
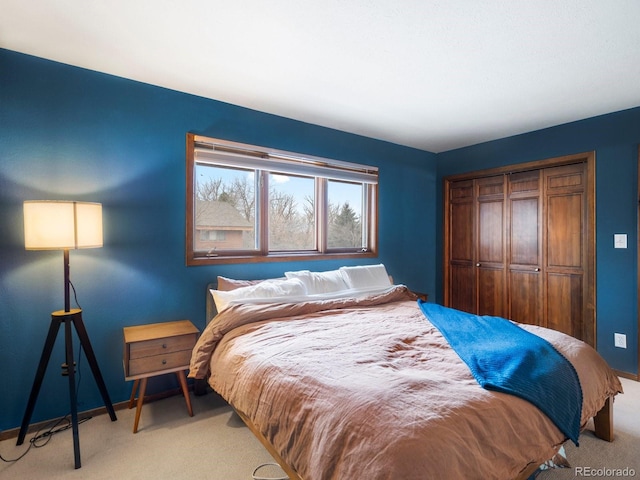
x=164 y=345
x=164 y=361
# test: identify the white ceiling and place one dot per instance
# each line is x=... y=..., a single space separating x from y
x=434 y=75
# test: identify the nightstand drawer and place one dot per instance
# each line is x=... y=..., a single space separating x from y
x=159 y=346
x=158 y=363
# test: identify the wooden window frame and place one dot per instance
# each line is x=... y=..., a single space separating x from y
x=315 y=167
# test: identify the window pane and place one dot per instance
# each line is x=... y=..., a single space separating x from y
x=248 y=203
x=345 y=214
x=225 y=213
x=291 y=213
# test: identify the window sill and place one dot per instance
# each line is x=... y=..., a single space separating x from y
x=285 y=257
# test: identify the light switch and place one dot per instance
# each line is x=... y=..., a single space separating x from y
x=619 y=240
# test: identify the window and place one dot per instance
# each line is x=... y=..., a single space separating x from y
x=252 y=204
x=213 y=235
x=344 y=225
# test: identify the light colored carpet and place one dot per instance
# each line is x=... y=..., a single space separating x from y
x=602 y=459
x=215 y=445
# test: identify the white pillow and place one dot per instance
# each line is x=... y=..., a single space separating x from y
x=266 y=289
x=366 y=276
x=320 y=282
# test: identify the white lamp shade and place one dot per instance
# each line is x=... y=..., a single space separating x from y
x=57 y=225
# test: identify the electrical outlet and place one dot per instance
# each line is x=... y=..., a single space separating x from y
x=620 y=340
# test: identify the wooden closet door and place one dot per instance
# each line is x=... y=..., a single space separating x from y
x=460 y=238
x=490 y=254
x=520 y=243
x=525 y=248
x=565 y=249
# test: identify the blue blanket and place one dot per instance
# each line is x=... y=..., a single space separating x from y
x=506 y=358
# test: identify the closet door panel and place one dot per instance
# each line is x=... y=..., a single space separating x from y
x=564 y=303
x=490 y=254
x=460 y=238
x=462 y=294
x=564 y=230
x=565 y=249
x=525 y=240
x=524 y=291
x=525 y=250
x=490 y=232
x=461 y=234
x=491 y=292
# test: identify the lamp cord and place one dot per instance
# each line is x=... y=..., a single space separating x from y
x=75 y=295
x=256 y=476
x=45 y=436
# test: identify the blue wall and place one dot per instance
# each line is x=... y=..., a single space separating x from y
x=70 y=133
x=614 y=138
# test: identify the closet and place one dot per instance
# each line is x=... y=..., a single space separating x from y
x=519 y=243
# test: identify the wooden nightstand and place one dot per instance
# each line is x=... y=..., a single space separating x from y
x=421 y=295
x=156 y=349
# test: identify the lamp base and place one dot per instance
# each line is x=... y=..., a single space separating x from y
x=72 y=316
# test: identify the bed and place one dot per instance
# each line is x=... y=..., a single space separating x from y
x=341 y=375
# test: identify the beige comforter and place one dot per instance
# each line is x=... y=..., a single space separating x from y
x=368 y=389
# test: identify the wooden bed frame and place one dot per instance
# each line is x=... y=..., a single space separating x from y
x=603 y=420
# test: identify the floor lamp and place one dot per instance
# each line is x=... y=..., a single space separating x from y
x=62 y=225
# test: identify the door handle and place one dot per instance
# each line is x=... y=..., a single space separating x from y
x=478 y=264
x=537 y=269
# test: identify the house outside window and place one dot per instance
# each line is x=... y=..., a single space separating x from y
x=220 y=226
